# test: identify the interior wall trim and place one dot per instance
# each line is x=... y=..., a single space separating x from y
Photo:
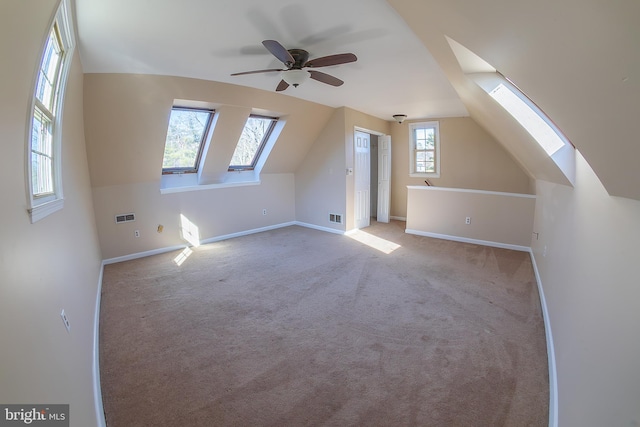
x=468 y=240
x=319 y=227
x=97 y=389
x=551 y=352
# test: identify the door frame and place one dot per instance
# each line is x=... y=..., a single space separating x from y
x=372 y=132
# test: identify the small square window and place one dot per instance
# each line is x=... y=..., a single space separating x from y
x=254 y=136
x=186 y=133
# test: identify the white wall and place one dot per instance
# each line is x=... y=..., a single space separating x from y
x=591 y=279
x=54 y=263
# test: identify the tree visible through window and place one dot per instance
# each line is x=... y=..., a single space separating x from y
x=186 y=133
x=424 y=149
x=254 y=136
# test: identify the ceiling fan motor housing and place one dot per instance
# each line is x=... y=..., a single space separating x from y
x=300 y=56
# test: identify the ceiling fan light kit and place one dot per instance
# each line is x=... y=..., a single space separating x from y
x=399 y=117
x=297 y=59
x=295 y=77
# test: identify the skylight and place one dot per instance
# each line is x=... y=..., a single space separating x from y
x=256 y=132
x=528 y=118
x=188 y=128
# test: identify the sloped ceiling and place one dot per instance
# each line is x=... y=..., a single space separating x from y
x=577 y=59
x=212 y=39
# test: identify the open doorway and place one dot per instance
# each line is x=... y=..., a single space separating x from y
x=372 y=161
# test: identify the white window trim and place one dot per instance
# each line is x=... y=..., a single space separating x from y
x=412 y=143
x=40 y=207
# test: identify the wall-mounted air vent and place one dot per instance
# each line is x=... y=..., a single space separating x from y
x=125 y=218
x=337 y=218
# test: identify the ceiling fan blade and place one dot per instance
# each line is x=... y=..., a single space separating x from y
x=257 y=71
x=282 y=86
x=279 y=52
x=325 y=78
x=325 y=61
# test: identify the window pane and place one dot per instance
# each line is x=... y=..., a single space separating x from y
x=420 y=134
x=528 y=118
x=186 y=132
x=429 y=156
x=41 y=155
x=429 y=167
x=47 y=77
x=430 y=139
x=421 y=156
x=253 y=137
x=41 y=174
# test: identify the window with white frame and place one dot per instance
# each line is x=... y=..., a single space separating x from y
x=424 y=149
x=255 y=134
x=186 y=134
x=45 y=136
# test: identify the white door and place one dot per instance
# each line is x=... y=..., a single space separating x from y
x=362 y=179
x=384 y=178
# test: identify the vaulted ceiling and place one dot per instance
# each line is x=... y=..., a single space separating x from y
x=212 y=39
x=577 y=59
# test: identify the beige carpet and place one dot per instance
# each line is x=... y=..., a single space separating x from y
x=298 y=327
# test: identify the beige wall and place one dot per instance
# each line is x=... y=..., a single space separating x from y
x=576 y=59
x=590 y=275
x=322 y=185
x=216 y=212
x=504 y=219
x=366 y=122
x=320 y=178
x=470 y=158
x=54 y=263
x=126 y=120
x=573 y=58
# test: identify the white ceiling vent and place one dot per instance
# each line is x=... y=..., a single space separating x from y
x=129 y=217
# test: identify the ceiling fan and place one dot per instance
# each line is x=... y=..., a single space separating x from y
x=296 y=60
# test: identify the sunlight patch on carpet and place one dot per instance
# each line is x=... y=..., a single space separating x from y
x=182 y=256
x=375 y=242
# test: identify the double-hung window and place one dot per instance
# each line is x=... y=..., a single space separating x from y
x=45 y=136
x=186 y=136
x=255 y=134
x=424 y=149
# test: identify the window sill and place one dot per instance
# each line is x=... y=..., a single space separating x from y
x=45 y=209
x=424 y=175
x=183 y=189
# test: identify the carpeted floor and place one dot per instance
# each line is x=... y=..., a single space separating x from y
x=298 y=327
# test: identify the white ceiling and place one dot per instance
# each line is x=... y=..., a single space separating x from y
x=211 y=39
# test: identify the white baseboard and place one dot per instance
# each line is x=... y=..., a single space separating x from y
x=143 y=254
x=399 y=218
x=202 y=242
x=97 y=389
x=551 y=353
x=246 y=232
x=468 y=240
x=319 y=227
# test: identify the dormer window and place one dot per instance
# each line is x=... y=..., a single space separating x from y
x=186 y=134
x=255 y=134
